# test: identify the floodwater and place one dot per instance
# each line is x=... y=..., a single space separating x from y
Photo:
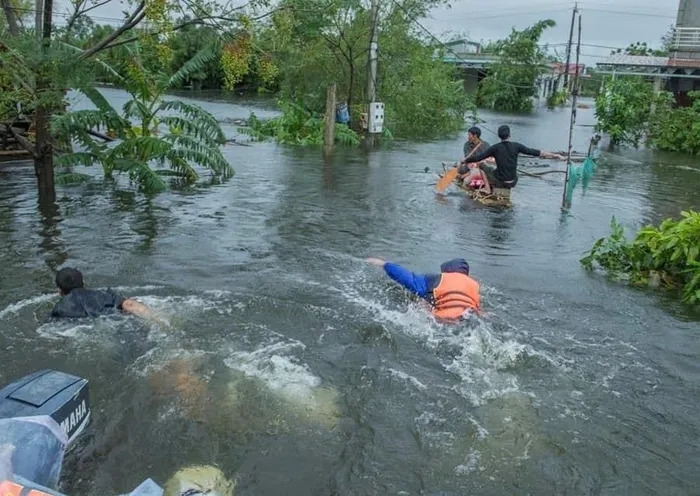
x=299 y=369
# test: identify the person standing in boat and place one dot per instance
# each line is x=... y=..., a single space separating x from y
x=505 y=173
x=452 y=293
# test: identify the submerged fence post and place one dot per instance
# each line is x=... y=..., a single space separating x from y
x=329 y=121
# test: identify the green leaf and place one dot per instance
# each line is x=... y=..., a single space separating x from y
x=66 y=179
x=195 y=64
x=97 y=99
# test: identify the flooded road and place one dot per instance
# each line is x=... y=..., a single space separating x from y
x=298 y=369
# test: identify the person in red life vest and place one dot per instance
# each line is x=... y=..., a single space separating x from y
x=451 y=293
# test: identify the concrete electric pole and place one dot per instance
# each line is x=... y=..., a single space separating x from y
x=375 y=110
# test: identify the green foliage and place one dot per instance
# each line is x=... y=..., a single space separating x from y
x=318 y=42
x=623 y=109
x=614 y=253
x=557 y=99
x=668 y=254
x=676 y=129
x=510 y=84
x=297 y=126
x=424 y=96
x=642 y=49
x=590 y=86
x=33 y=75
x=193 y=138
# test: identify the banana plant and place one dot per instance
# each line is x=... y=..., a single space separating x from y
x=154 y=137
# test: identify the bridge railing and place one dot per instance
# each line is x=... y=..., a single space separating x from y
x=686 y=39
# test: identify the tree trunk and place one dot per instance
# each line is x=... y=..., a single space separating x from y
x=43 y=163
x=351 y=83
x=10 y=17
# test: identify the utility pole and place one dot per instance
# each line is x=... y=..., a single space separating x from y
x=565 y=202
x=375 y=110
x=39 y=18
x=329 y=122
x=568 y=46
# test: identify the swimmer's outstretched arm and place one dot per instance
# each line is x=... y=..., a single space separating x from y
x=415 y=283
x=140 y=310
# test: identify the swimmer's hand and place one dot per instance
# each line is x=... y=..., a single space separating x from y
x=140 y=310
x=375 y=261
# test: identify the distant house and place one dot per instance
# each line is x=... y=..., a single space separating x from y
x=678 y=73
x=463 y=47
x=559 y=68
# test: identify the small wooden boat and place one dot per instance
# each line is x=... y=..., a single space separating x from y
x=499 y=197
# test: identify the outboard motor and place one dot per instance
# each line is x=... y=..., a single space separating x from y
x=61 y=396
x=41 y=414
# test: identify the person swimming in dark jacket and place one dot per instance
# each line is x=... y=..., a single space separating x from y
x=78 y=301
x=451 y=293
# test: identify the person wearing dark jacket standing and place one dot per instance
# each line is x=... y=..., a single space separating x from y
x=78 y=301
x=505 y=173
x=451 y=294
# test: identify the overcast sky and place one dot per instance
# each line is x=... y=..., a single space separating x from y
x=612 y=23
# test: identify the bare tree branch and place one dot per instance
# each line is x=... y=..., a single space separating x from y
x=203 y=21
x=79 y=11
x=131 y=39
x=76 y=12
x=133 y=20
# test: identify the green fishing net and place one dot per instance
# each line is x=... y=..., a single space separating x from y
x=581 y=173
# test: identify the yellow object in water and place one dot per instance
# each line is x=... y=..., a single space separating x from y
x=203 y=479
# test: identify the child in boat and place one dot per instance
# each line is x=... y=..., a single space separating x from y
x=475 y=179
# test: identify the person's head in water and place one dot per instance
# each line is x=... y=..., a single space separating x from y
x=456 y=265
x=474 y=135
x=68 y=279
x=504 y=132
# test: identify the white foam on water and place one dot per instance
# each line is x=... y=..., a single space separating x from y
x=281 y=372
x=148 y=287
x=470 y=465
x=189 y=303
x=407 y=377
x=65 y=329
x=157 y=358
x=14 y=308
x=284 y=374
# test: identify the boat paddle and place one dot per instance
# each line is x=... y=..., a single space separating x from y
x=447 y=179
x=451 y=174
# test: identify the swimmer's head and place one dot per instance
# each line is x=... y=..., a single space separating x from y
x=68 y=279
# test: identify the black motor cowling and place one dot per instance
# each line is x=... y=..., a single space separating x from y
x=63 y=397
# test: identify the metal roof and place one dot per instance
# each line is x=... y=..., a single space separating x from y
x=635 y=60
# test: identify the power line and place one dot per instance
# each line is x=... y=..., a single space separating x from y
x=517 y=14
x=641 y=14
x=68 y=15
x=514 y=13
